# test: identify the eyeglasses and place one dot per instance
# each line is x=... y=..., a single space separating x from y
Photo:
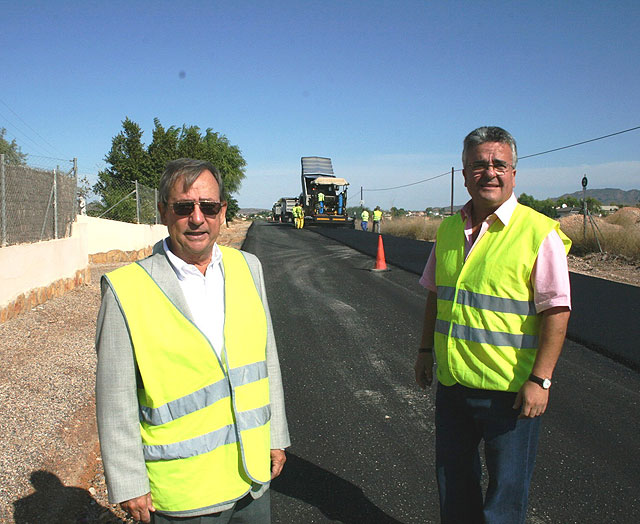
x=499 y=167
x=207 y=207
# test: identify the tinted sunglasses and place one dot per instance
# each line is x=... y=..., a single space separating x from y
x=207 y=207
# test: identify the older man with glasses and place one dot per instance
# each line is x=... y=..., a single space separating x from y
x=189 y=395
x=497 y=309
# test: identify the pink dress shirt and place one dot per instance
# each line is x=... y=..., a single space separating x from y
x=550 y=275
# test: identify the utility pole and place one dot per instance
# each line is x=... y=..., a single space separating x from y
x=452 y=170
x=584 y=207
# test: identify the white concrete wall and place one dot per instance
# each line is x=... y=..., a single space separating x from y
x=25 y=267
x=107 y=235
x=29 y=266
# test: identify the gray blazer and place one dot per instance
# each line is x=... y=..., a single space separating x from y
x=116 y=400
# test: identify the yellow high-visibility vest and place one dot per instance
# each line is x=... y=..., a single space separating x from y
x=205 y=420
x=365 y=216
x=486 y=334
x=377 y=215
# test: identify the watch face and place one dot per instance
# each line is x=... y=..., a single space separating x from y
x=546 y=383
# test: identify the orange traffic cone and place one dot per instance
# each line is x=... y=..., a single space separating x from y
x=381 y=264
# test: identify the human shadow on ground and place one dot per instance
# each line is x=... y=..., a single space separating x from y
x=338 y=499
x=53 y=502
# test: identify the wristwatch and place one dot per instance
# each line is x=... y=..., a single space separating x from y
x=544 y=383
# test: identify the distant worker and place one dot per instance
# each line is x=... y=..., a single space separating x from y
x=377 y=218
x=321 y=202
x=364 y=217
x=298 y=215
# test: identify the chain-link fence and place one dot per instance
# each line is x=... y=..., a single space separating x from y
x=124 y=201
x=36 y=204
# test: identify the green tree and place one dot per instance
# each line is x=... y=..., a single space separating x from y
x=11 y=150
x=232 y=208
x=570 y=201
x=395 y=212
x=130 y=160
x=546 y=207
x=163 y=147
x=594 y=205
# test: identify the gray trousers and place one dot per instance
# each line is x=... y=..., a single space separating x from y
x=246 y=511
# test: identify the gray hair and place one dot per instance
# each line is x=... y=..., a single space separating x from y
x=190 y=169
x=490 y=134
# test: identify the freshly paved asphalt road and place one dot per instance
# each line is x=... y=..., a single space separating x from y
x=362 y=431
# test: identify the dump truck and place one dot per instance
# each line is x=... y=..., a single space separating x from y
x=276 y=211
x=324 y=195
x=282 y=209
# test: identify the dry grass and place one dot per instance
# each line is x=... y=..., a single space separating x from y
x=619 y=233
x=419 y=228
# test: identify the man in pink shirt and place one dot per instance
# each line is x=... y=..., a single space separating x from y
x=497 y=309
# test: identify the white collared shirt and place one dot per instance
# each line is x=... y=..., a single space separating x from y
x=204 y=294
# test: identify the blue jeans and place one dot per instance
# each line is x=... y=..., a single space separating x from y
x=464 y=417
x=363 y=224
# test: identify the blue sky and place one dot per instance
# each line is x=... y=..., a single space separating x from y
x=387 y=89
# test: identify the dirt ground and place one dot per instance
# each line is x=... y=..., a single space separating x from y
x=609 y=267
x=625 y=223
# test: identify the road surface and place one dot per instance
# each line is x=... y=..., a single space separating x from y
x=362 y=431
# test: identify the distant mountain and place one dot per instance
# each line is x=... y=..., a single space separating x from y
x=252 y=210
x=608 y=196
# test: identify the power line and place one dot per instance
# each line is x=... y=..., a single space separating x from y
x=52 y=148
x=412 y=184
x=519 y=158
x=580 y=143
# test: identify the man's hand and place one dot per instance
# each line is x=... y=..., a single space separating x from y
x=139 y=507
x=532 y=399
x=278 y=458
x=424 y=369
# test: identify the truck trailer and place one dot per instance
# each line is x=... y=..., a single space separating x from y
x=324 y=196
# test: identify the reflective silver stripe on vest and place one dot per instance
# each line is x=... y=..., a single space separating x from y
x=254 y=417
x=249 y=373
x=446 y=293
x=191 y=447
x=203 y=397
x=484 y=336
x=210 y=441
x=180 y=407
x=489 y=302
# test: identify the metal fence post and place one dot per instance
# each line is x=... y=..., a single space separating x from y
x=3 y=202
x=55 y=202
x=137 y=204
x=75 y=196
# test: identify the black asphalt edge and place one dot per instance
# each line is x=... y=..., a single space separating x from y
x=605 y=315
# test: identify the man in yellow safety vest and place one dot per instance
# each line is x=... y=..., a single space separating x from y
x=320 y=202
x=189 y=394
x=364 y=219
x=497 y=309
x=298 y=215
x=377 y=218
